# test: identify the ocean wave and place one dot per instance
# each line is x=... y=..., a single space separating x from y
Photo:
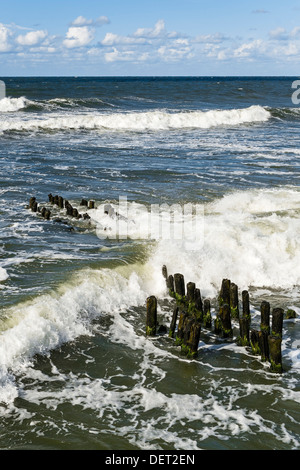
x=139 y=121
x=10 y=105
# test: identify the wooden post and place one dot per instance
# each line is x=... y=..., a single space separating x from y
x=170 y=285
x=206 y=314
x=91 y=204
x=277 y=322
x=165 y=272
x=255 y=341
x=32 y=200
x=275 y=353
x=234 y=301
x=264 y=330
x=190 y=292
x=198 y=305
x=173 y=322
x=191 y=338
x=180 y=330
x=151 y=317
x=60 y=202
x=55 y=200
x=243 y=339
x=224 y=296
x=246 y=305
x=84 y=202
x=226 y=321
x=179 y=285
x=51 y=198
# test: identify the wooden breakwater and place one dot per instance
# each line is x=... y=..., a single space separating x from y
x=191 y=314
x=56 y=204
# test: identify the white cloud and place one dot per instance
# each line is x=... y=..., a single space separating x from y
x=78 y=36
x=5 y=35
x=248 y=49
x=82 y=21
x=278 y=33
x=158 y=29
x=112 y=39
x=32 y=38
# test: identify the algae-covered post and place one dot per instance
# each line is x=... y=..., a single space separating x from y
x=226 y=321
x=91 y=204
x=224 y=296
x=179 y=285
x=173 y=322
x=244 y=338
x=246 y=305
x=264 y=330
x=255 y=341
x=234 y=301
x=180 y=330
x=275 y=353
x=277 y=322
x=190 y=291
x=191 y=337
x=206 y=314
x=151 y=316
x=170 y=285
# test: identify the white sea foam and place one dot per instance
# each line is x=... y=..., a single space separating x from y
x=134 y=121
x=3 y=274
x=8 y=105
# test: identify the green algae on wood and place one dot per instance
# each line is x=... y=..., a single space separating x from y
x=151 y=316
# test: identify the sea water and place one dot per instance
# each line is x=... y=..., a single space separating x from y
x=76 y=368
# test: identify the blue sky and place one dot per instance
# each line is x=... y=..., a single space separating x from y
x=157 y=37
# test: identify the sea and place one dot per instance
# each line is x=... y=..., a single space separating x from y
x=197 y=174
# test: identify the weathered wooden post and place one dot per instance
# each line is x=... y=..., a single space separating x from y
x=180 y=330
x=55 y=200
x=234 y=301
x=192 y=331
x=194 y=339
x=60 y=202
x=190 y=291
x=173 y=322
x=244 y=338
x=32 y=200
x=84 y=202
x=151 y=316
x=198 y=305
x=206 y=314
x=75 y=212
x=51 y=198
x=47 y=214
x=226 y=321
x=246 y=305
x=91 y=204
x=34 y=206
x=165 y=272
x=264 y=330
x=170 y=285
x=275 y=353
x=255 y=341
x=224 y=296
x=277 y=322
x=179 y=286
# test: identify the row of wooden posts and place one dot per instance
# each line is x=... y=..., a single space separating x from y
x=61 y=203
x=193 y=314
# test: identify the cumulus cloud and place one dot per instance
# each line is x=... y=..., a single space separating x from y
x=32 y=38
x=78 y=36
x=82 y=21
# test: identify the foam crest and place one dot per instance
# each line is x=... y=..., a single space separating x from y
x=8 y=105
x=154 y=120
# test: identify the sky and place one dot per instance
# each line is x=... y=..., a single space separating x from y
x=149 y=38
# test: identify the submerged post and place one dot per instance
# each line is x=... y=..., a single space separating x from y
x=277 y=322
x=226 y=321
x=151 y=316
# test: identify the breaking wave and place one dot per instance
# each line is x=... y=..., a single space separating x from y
x=138 y=121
